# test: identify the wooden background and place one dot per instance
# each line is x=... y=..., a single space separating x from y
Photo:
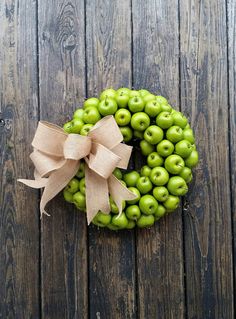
x=52 y=55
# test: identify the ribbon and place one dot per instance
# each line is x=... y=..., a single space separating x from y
x=56 y=157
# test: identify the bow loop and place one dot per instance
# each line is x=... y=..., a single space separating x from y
x=100 y=154
x=77 y=146
x=57 y=155
x=106 y=132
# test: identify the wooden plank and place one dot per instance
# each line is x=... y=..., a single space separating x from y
x=19 y=222
x=62 y=89
x=159 y=249
x=231 y=10
x=208 y=241
x=111 y=254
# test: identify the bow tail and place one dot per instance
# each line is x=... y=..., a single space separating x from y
x=119 y=192
x=97 y=196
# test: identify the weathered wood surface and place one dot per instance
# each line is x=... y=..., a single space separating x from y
x=207 y=221
x=52 y=55
x=231 y=18
x=19 y=221
x=64 y=274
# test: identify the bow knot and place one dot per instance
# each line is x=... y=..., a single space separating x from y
x=57 y=156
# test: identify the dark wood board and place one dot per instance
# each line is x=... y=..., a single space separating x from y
x=231 y=19
x=111 y=254
x=19 y=222
x=207 y=221
x=62 y=89
x=160 y=266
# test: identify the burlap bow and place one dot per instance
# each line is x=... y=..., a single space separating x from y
x=57 y=155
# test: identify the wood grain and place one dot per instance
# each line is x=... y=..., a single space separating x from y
x=231 y=16
x=111 y=254
x=208 y=241
x=159 y=249
x=62 y=89
x=19 y=223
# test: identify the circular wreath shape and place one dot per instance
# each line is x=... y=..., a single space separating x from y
x=165 y=139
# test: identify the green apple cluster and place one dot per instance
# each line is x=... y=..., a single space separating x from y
x=165 y=139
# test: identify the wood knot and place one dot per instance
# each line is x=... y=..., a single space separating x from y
x=2 y=122
x=70 y=42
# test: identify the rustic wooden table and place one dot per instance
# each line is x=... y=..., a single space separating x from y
x=52 y=55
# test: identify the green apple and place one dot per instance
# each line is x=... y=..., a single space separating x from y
x=180 y=120
x=91 y=115
x=192 y=159
x=143 y=92
x=133 y=212
x=138 y=134
x=140 y=121
x=161 y=99
x=86 y=129
x=165 y=148
x=159 y=176
x=76 y=126
x=127 y=133
x=78 y=114
x=73 y=185
x=68 y=196
x=145 y=221
x=160 y=212
x=82 y=186
x=160 y=193
x=137 y=193
x=134 y=93
x=183 y=148
x=148 y=97
x=154 y=159
x=122 y=117
x=80 y=173
x=148 y=204
x=174 y=134
x=187 y=126
x=131 y=178
x=117 y=172
x=145 y=171
x=113 y=206
x=120 y=221
x=153 y=134
x=166 y=108
x=174 y=164
x=144 y=184
x=188 y=135
x=102 y=219
x=123 y=91
x=113 y=227
x=152 y=108
x=131 y=224
x=177 y=186
x=164 y=120
x=122 y=100
x=108 y=106
x=67 y=127
x=79 y=200
x=92 y=101
x=108 y=93
x=171 y=203
x=146 y=148
x=186 y=174
x=136 y=104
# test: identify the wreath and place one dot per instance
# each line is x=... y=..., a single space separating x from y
x=166 y=141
